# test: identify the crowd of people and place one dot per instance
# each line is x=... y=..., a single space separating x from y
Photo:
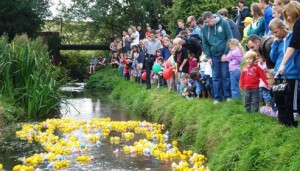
x=217 y=57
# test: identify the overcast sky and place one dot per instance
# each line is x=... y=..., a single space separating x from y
x=55 y=3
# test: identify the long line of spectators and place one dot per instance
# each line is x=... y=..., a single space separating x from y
x=217 y=57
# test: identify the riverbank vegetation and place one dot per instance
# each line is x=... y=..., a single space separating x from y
x=230 y=138
x=28 y=79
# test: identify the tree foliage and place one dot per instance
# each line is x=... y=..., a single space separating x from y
x=181 y=9
x=95 y=21
x=22 y=16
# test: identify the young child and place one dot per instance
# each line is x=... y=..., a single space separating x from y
x=127 y=66
x=271 y=109
x=264 y=92
x=192 y=62
x=93 y=63
x=250 y=76
x=196 y=82
x=121 y=65
x=160 y=79
x=207 y=80
x=186 y=90
x=235 y=58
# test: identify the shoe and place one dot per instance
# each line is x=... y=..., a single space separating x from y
x=229 y=99
x=216 y=102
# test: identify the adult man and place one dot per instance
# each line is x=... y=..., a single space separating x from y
x=136 y=36
x=234 y=29
x=216 y=33
x=192 y=44
x=261 y=46
x=268 y=14
x=150 y=48
x=180 y=27
x=191 y=20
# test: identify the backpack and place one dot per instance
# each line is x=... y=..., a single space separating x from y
x=265 y=49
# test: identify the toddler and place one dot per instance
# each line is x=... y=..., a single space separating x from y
x=250 y=76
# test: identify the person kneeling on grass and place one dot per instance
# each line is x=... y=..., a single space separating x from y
x=249 y=82
x=271 y=108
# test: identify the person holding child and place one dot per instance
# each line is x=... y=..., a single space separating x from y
x=235 y=58
x=286 y=104
x=250 y=76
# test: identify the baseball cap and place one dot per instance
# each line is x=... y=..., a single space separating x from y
x=247 y=20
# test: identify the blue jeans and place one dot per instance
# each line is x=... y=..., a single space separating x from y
x=265 y=95
x=234 y=82
x=179 y=83
x=221 y=79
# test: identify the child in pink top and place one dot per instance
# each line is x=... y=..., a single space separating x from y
x=193 y=63
x=264 y=91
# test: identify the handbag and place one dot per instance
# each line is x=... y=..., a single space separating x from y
x=280 y=88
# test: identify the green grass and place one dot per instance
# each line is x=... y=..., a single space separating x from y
x=230 y=138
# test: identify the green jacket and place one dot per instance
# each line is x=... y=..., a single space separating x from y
x=215 y=38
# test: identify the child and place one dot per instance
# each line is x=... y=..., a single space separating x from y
x=114 y=60
x=192 y=62
x=186 y=91
x=271 y=109
x=207 y=80
x=121 y=65
x=250 y=76
x=196 y=82
x=235 y=58
x=127 y=66
x=101 y=60
x=160 y=80
x=264 y=92
x=93 y=63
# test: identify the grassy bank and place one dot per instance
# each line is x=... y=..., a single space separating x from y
x=230 y=138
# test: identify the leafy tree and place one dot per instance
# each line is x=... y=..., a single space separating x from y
x=96 y=20
x=22 y=16
x=181 y=9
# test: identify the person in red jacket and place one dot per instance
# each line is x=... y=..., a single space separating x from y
x=249 y=81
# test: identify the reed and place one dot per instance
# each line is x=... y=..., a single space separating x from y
x=28 y=77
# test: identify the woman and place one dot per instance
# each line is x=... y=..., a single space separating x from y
x=287 y=102
x=257 y=26
x=277 y=9
x=241 y=13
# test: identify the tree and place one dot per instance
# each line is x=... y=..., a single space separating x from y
x=181 y=9
x=22 y=16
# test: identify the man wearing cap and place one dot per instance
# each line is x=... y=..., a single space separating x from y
x=150 y=48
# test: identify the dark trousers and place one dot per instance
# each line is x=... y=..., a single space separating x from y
x=285 y=105
x=251 y=100
x=148 y=73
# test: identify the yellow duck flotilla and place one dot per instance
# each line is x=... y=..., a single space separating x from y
x=58 y=147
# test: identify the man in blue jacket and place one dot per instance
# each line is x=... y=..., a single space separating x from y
x=216 y=33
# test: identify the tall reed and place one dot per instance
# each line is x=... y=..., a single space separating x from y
x=28 y=77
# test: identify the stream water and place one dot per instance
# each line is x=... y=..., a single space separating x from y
x=84 y=105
